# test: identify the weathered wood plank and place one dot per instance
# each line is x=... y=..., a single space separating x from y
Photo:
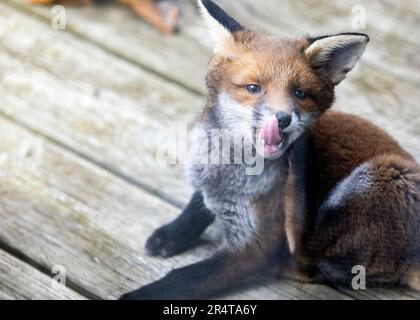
x=393 y=45
x=284 y=287
x=129 y=37
x=102 y=107
x=110 y=112
x=383 y=294
x=20 y=281
x=50 y=118
x=61 y=210
x=391 y=50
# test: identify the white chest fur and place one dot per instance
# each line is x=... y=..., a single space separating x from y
x=229 y=190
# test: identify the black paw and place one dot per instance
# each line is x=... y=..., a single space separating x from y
x=168 y=241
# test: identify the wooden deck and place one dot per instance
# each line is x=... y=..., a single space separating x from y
x=80 y=186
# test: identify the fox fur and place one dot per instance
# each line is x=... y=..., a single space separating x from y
x=335 y=191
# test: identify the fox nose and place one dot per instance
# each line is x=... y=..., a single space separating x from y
x=284 y=119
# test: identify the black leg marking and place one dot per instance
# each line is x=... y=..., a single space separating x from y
x=183 y=233
x=201 y=280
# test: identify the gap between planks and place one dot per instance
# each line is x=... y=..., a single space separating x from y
x=247 y=11
x=88 y=221
x=359 y=104
x=17 y=279
x=393 y=91
x=45 y=19
x=118 y=174
x=20 y=260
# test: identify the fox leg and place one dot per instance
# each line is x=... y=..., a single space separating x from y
x=182 y=233
x=299 y=203
x=235 y=261
x=225 y=269
x=371 y=219
x=296 y=194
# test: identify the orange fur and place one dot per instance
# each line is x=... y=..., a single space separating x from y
x=340 y=143
x=279 y=66
x=379 y=228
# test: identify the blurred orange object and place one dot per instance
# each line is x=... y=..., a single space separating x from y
x=74 y=2
x=163 y=14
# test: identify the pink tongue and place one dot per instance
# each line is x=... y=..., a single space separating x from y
x=270 y=132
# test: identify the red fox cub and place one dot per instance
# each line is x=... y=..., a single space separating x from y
x=333 y=190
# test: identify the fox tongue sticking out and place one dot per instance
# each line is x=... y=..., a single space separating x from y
x=270 y=136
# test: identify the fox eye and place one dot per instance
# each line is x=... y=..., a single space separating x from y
x=253 y=88
x=300 y=94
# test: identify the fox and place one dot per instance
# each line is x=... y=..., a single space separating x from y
x=335 y=191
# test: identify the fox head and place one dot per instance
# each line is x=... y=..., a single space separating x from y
x=271 y=88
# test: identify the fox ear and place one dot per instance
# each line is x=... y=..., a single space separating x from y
x=220 y=24
x=334 y=56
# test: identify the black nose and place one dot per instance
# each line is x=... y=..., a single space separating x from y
x=284 y=119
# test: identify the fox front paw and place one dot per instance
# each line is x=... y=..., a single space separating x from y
x=167 y=241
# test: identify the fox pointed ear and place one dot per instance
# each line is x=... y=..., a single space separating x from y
x=334 y=56
x=220 y=24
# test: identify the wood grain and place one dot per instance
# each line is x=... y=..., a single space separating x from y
x=99 y=106
x=19 y=281
x=393 y=49
x=88 y=109
x=59 y=209
x=110 y=111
